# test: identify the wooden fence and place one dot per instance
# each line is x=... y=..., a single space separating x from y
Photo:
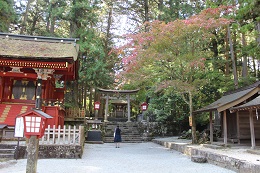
x=75 y=112
x=70 y=135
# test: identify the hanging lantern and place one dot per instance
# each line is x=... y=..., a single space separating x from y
x=97 y=105
x=144 y=106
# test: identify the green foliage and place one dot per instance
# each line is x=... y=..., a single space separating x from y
x=185 y=51
x=7 y=15
x=178 y=9
x=173 y=58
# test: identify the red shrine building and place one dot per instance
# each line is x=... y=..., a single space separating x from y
x=28 y=61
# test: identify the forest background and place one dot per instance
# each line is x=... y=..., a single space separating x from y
x=182 y=54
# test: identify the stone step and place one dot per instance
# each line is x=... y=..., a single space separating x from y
x=4 y=155
x=124 y=140
x=7 y=151
x=129 y=132
x=7 y=146
x=127 y=135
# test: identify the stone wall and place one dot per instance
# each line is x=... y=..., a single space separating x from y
x=60 y=151
x=55 y=151
x=224 y=161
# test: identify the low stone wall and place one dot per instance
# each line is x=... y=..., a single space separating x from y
x=55 y=151
x=233 y=164
x=60 y=151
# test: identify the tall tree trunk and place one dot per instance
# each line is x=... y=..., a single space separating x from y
x=53 y=20
x=226 y=54
x=25 y=18
x=146 y=10
x=81 y=94
x=108 y=30
x=193 y=128
x=90 y=101
x=233 y=59
x=74 y=24
x=258 y=45
x=85 y=96
x=160 y=8
x=146 y=13
x=234 y=40
x=258 y=33
x=33 y=25
x=254 y=66
x=244 y=63
x=48 y=17
x=215 y=46
x=76 y=93
x=35 y=18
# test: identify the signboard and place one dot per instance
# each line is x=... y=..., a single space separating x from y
x=190 y=120
x=19 y=127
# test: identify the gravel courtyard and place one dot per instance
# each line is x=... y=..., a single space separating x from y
x=129 y=158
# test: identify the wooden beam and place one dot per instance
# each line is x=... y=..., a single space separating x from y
x=19 y=75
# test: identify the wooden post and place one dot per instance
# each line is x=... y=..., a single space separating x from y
x=81 y=135
x=106 y=109
x=32 y=157
x=96 y=114
x=193 y=127
x=74 y=135
x=210 y=127
x=128 y=108
x=252 y=130
x=225 y=127
x=238 y=127
x=38 y=101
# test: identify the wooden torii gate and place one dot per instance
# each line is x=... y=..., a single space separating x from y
x=108 y=92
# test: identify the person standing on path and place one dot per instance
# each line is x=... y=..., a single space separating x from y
x=117 y=136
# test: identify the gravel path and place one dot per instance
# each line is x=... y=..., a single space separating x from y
x=129 y=158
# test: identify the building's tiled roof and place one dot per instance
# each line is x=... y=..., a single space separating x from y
x=38 y=48
x=231 y=98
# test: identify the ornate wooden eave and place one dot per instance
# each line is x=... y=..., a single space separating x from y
x=34 y=64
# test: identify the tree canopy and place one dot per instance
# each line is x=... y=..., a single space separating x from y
x=181 y=54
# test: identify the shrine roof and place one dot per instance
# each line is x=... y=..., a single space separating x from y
x=253 y=104
x=21 y=46
x=232 y=98
x=118 y=91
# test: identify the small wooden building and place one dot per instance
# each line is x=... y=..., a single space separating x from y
x=235 y=125
x=28 y=61
x=251 y=109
